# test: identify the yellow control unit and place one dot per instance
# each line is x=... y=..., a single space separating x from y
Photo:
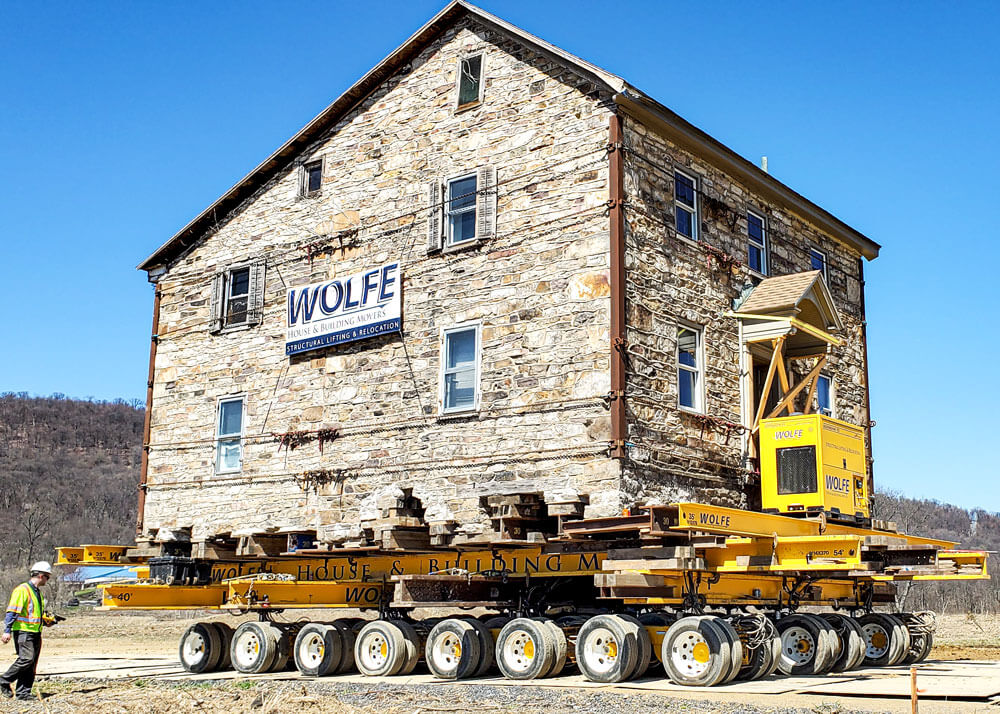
x=812 y=462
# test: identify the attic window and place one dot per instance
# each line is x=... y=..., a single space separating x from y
x=312 y=178
x=470 y=81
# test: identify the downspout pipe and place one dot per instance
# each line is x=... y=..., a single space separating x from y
x=144 y=463
x=868 y=405
x=616 y=212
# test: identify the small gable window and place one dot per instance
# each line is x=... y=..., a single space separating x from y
x=686 y=205
x=470 y=81
x=817 y=260
x=311 y=180
x=756 y=243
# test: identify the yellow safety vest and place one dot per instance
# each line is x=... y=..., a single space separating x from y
x=28 y=608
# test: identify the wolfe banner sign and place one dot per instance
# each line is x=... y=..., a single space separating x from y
x=357 y=307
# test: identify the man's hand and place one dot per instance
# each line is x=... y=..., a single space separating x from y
x=5 y=637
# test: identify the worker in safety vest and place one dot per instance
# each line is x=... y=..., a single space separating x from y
x=25 y=616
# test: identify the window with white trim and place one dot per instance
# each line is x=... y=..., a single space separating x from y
x=817 y=260
x=470 y=81
x=311 y=178
x=690 y=368
x=824 y=395
x=756 y=243
x=460 y=369
x=686 y=205
x=461 y=210
x=229 y=436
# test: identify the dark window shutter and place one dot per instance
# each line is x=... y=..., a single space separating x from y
x=218 y=286
x=486 y=203
x=435 y=218
x=256 y=298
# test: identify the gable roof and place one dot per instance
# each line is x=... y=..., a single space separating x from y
x=631 y=99
x=787 y=295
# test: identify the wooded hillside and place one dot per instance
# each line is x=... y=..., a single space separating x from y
x=68 y=475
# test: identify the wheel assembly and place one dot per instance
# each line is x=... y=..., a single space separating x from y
x=606 y=649
x=757 y=634
x=735 y=648
x=881 y=638
x=386 y=647
x=318 y=650
x=852 y=651
x=805 y=645
x=226 y=640
x=695 y=652
x=486 y=647
x=201 y=648
x=526 y=649
x=921 y=629
x=561 y=646
x=255 y=647
x=453 y=649
x=645 y=659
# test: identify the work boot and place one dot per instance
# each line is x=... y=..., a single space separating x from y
x=7 y=692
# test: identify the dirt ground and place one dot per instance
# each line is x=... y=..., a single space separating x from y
x=133 y=635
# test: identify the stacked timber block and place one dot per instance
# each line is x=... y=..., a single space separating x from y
x=258 y=544
x=567 y=510
x=520 y=517
x=639 y=572
x=442 y=532
x=401 y=524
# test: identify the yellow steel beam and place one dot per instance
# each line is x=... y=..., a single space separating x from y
x=304 y=594
x=91 y=555
x=786 y=553
x=69 y=556
x=162 y=597
x=733 y=521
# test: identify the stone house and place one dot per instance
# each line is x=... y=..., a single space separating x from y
x=489 y=266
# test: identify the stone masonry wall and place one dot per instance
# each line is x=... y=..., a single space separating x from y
x=672 y=280
x=539 y=289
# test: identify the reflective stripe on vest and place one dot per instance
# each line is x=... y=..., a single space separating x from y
x=29 y=618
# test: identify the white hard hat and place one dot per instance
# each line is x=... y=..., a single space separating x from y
x=42 y=566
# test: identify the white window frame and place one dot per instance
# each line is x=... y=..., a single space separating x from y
x=680 y=206
x=227 y=294
x=444 y=371
x=220 y=438
x=822 y=254
x=449 y=242
x=698 y=369
x=304 y=178
x=458 y=81
x=762 y=246
x=832 y=395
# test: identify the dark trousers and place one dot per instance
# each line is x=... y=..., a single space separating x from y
x=27 y=645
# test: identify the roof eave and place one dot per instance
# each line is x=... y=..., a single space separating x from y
x=691 y=137
x=413 y=45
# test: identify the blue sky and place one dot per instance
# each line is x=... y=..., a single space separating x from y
x=121 y=121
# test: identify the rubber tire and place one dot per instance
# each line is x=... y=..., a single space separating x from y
x=226 y=635
x=267 y=648
x=926 y=649
x=395 y=643
x=333 y=647
x=903 y=633
x=720 y=653
x=852 y=643
x=486 y=647
x=775 y=650
x=879 y=622
x=645 y=660
x=414 y=647
x=542 y=641
x=348 y=638
x=833 y=643
x=448 y=666
x=559 y=637
x=627 y=645
x=208 y=656
x=821 y=646
x=735 y=645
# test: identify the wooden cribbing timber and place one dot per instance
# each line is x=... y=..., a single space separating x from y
x=680 y=584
